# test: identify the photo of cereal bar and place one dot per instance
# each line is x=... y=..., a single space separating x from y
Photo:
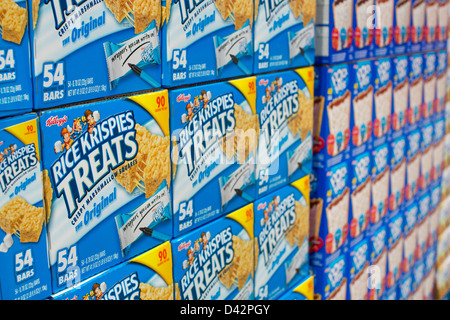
x=363 y=13
x=302 y=122
x=13 y=21
x=403 y=18
x=358 y=286
x=339 y=121
x=415 y=99
x=337 y=218
x=380 y=194
x=361 y=198
x=441 y=88
x=22 y=219
x=340 y=293
x=342 y=14
x=401 y=103
x=426 y=162
x=431 y=16
x=429 y=95
x=409 y=247
x=395 y=256
x=398 y=184
x=362 y=113
x=48 y=194
x=418 y=19
x=149 y=292
x=385 y=20
x=438 y=157
x=298 y=233
x=383 y=105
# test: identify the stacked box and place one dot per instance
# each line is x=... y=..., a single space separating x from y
x=426 y=158
x=282 y=232
x=330 y=282
x=24 y=273
x=410 y=235
x=442 y=24
x=16 y=91
x=418 y=273
x=400 y=95
x=364 y=41
x=398 y=174
x=106 y=172
x=441 y=83
x=431 y=28
x=416 y=80
x=413 y=161
x=145 y=277
x=216 y=260
x=206 y=41
x=417 y=25
x=283 y=35
x=381 y=171
x=334 y=32
x=383 y=98
x=303 y=291
x=395 y=249
x=122 y=41
x=384 y=28
x=438 y=151
x=424 y=203
x=214 y=129
x=378 y=261
x=429 y=86
x=402 y=26
x=361 y=121
x=332 y=112
x=358 y=271
x=285 y=110
x=405 y=287
x=392 y=293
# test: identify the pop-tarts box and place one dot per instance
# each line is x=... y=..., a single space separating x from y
x=410 y=214
x=147 y=276
x=402 y=26
x=206 y=40
x=416 y=80
x=384 y=28
x=426 y=158
x=283 y=34
x=441 y=82
x=358 y=271
x=442 y=25
x=16 y=91
x=304 y=290
x=332 y=112
x=364 y=29
x=422 y=225
x=329 y=218
x=405 y=286
x=284 y=106
x=383 y=98
x=214 y=130
x=361 y=120
x=281 y=239
x=417 y=25
x=391 y=293
x=107 y=178
x=413 y=164
x=68 y=39
x=378 y=253
x=361 y=196
x=429 y=86
x=24 y=271
x=381 y=170
x=438 y=150
x=395 y=249
x=431 y=24
x=400 y=95
x=330 y=281
x=398 y=174
x=215 y=261
x=334 y=32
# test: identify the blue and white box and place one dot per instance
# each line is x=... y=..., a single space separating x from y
x=378 y=261
x=413 y=161
x=441 y=82
x=416 y=80
x=330 y=282
x=426 y=158
x=358 y=271
x=410 y=215
x=395 y=249
x=429 y=86
x=400 y=95
x=381 y=170
x=398 y=174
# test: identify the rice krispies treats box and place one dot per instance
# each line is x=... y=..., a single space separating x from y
x=330 y=281
x=378 y=250
x=364 y=29
x=416 y=84
x=216 y=261
x=282 y=239
x=147 y=276
x=283 y=35
x=417 y=25
x=381 y=171
x=397 y=178
x=121 y=39
x=400 y=93
x=361 y=118
x=384 y=28
x=383 y=100
x=413 y=160
x=360 y=178
x=402 y=26
x=304 y=290
x=395 y=242
x=334 y=32
x=16 y=91
x=358 y=271
x=24 y=271
x=285 y=110
x=431 y=28
x=429 y=86
x=107 y=179
x=206 y=40
x=329 y=218
x=214 y=132
x=332 y=112
x=410 y=229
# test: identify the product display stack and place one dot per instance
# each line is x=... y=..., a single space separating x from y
x=224 y=150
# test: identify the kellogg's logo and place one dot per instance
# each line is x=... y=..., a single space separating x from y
x=263 y=82
x=54 y=120
x=183 y=98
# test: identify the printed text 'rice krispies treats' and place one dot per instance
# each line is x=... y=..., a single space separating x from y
x=144 y=12
x=149 y=292
x=13 y=20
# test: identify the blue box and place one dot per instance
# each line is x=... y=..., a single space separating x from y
x=378 y=261
x=330 y=281
x=92 y=50
x=410 y=229
x=358 y=271
x=413 y=160
x=416 y=80
x=283 y=39
x=395 y=249
x=204 y=41
x=400 y=95
x=429 y=86
x=397 y=178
